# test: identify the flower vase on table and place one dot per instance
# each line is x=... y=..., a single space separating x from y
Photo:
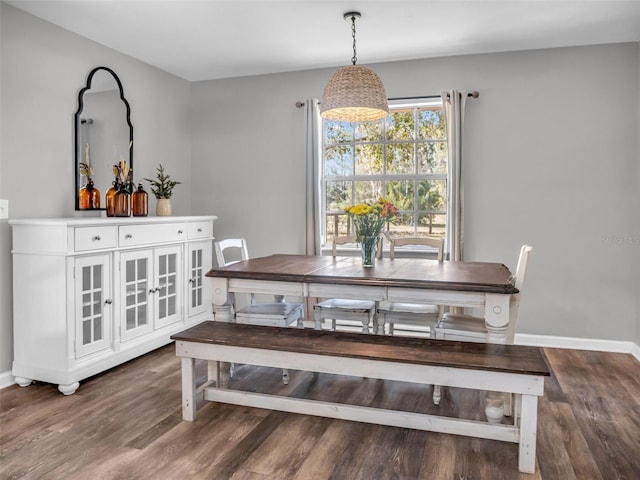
x=368 y=249
x=369 y=220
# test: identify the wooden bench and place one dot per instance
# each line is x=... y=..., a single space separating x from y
x=515 y=369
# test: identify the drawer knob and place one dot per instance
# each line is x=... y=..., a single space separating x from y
x=179 y=232
x=128 y=236
x=199 y=230
x=96 y=238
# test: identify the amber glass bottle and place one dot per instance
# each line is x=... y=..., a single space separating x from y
x=140 y=202
x=122 y=206
x=89 y=197
x=111 y=199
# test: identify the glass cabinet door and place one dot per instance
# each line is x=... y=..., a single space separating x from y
x=168 y=285
x=93 y=304
x=135 y=293
x=198 y=264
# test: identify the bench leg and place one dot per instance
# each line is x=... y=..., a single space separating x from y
x=188 y=389
x=528 y=435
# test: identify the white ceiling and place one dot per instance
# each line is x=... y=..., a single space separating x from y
x=207 y=39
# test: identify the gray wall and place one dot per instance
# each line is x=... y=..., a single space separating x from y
x=552 y=159
x=43 y=68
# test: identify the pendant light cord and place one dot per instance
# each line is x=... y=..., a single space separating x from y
x=353 y=34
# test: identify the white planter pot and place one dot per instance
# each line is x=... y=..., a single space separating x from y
x=163 y=207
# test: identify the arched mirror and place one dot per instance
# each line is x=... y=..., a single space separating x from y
x=103 y=137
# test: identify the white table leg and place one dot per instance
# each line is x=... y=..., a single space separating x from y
x=188 y=389
x=496 y=318
x=528 y=434
x=222 y=313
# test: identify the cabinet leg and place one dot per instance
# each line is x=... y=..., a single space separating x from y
x=69 y=389
x=23 y=382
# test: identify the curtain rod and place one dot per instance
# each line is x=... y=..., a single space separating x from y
x=474 y=94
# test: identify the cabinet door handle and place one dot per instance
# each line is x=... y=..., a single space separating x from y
x=127 y=236
x=108 y=301
x=152 y=290
x=179 y=232
x=192 y=280
x=96 y=238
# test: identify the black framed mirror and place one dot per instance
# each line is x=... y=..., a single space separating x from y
x=103 y=137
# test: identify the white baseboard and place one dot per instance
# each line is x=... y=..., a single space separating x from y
x=6 y=380
x=598 y=345
x=616 y=346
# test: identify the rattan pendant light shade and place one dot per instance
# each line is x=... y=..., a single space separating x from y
x=354 y=93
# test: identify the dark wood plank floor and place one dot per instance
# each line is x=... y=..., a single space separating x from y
x=126 y=424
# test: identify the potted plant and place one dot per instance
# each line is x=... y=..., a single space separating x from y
x=162 y=188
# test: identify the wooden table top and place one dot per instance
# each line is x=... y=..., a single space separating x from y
x=398 y=272
x=420 y=351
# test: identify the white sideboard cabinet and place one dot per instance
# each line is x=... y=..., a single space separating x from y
x=89 y=294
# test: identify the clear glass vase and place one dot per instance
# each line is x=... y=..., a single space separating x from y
x=368 y=247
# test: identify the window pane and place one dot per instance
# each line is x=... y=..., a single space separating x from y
x=369 y=159
x=130 y=267
x=369 y=131
x=432 y=195
x=400 y=193
x=431 y=225
x=432 y=157
x=367 y=191
x=86 y=278
x=97 y=328
x=403 y=226
x=338 y=161
x=338 y=195
x=400 y=125
x=86 y=332
x=337 y=132
x=142 y=268
x=400 y=159
x=97 y=276
x=431 y=124
x=338 y=224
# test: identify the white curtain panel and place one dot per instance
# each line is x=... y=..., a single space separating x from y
x=313 y=146
x=454 y=105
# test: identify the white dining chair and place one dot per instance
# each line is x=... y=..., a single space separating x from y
x=343 y=310
x=411 y=318
x=275 y=314
x=468 y=328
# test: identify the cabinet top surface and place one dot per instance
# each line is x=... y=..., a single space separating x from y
x=109 y=220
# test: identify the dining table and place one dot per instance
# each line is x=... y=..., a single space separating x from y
x=486 y=286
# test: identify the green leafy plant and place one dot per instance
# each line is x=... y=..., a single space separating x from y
x=163 y=186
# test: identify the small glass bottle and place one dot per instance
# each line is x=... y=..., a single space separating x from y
x=140 y=202
x=89 y=197
x=111 y=199
x=122 y=206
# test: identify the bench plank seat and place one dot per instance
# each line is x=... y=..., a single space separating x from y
x=505 y=368
x=420 y=351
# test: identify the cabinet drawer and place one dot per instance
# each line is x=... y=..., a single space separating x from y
x=132 y=235
x=94 y=238
x=199 y=230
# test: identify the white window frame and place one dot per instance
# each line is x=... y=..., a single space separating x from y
x=393 y=105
